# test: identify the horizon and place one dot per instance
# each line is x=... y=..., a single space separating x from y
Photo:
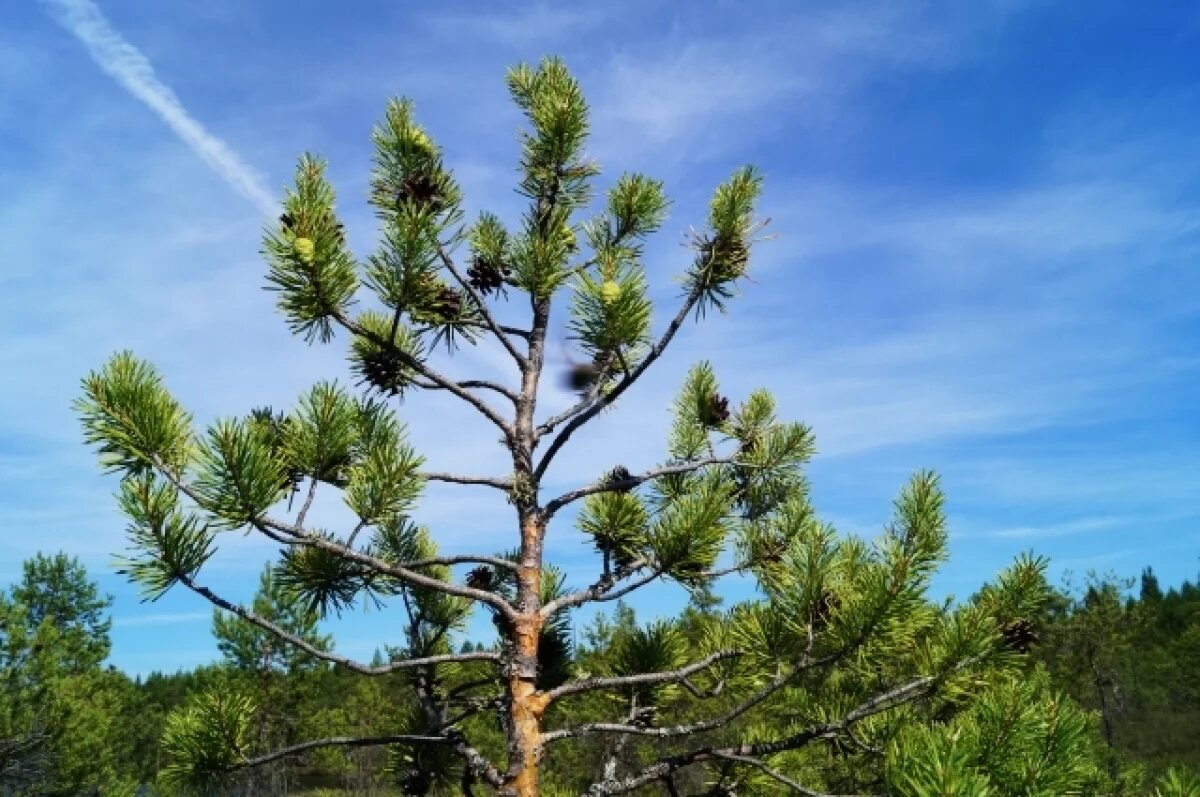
x=983 y=260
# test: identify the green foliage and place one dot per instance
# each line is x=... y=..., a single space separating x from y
x=311 y=267
x=248 y=647
x=1176 y=783
x=554 y=174
x=326 y=582
x=323 y=433
x=205 y=740
x=723 y=253
x=617 y=523
x=689 y=531
x=382 y=357
x=384 y=481
x=56 y=590
x=656 y=647
x=64 y=721
x=166 y=544
x=240 y=473
x=1016 y=738
x=1131 y=662
x=131 y=419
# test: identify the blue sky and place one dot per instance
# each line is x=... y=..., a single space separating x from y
x=987 y=218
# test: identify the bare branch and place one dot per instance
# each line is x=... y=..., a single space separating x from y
x=597 y=403
x=520 y=333
x=603 y=590
x=455 y=478
x=550 y=424
x=399 y=571
x=780 y=680
x=341 y=741
x=308 y=501
x=484 y=312
x=614 y=485
x=472 y=384
x=774 y=774
x=465 y=559
x=642 y=679
x=663 y=768
x=422 y=368
x=302 y=644
x=727 y=571
x=290 y=534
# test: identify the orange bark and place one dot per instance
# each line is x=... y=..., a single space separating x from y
x=527 y=703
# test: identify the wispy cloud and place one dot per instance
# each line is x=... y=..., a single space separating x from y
x=534 y=25
x=127 y=65
x=161 y=618
x=1067 y=528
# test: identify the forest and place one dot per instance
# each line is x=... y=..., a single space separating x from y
x=1123 y=654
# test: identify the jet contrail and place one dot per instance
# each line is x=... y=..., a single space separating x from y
x=126 y=64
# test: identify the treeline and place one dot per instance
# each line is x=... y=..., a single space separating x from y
x=1133 y=658
x=70 y=726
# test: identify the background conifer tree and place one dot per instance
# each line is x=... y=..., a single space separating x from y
x=836 y=653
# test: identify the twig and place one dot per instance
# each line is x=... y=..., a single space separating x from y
x=614 y=485
x=642 y=679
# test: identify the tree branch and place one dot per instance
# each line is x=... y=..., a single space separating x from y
x=780 y=680
x=308 y=501
x=404 y=572
x=642 y=679
x=288 y=533
x=666 y=766
x=774 y=774
x=472 y=384
x=520 y=333
x=614 y=485
x=465 y=559
x=341 y=741
x=420 y=367
x=484 y=312
x=455 y=478
x=602 y=591
x=301 y=643
x=597 y=403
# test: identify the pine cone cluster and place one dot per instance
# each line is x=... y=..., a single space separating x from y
x=773 y=548
x=1019 y=635
x=422 y=189
x=447 y=304
x=383 y=369
x=481 y=577
x=826 y=604
x=716 y=411
x=487 y=276
x=617 y=475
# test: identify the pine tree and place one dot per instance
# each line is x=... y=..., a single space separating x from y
x=838 y=644
x=279 y=676
x=61 y=730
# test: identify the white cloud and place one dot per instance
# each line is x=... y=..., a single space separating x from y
x=161 y=618
x=129 y=67
x=1067 y=528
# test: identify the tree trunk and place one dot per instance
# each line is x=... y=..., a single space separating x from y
x=525 y=736
x=526 y=703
